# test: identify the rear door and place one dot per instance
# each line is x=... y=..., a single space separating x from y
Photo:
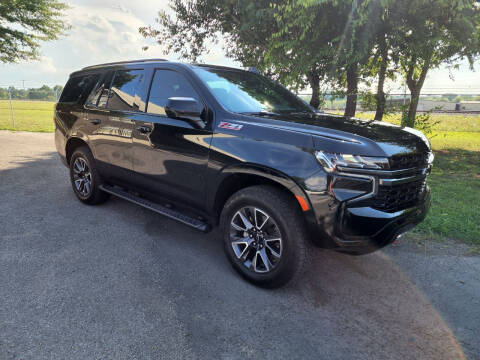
x=114 y=105
x=170 y=155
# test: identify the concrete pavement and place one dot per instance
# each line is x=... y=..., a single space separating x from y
x=120 y=282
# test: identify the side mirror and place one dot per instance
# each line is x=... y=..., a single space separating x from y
x=185 y=108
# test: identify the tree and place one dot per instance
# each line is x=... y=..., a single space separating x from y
x=42 y=93
x=328 y=40
x=384 y=58
x=435 y=32
x=246 y=27
x=24 y=23
x=302 y=50
x=336 y=42
x=296 y=42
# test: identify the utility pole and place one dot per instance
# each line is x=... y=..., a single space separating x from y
x=11 y=108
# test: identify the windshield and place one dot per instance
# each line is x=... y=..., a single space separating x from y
x=248 y=92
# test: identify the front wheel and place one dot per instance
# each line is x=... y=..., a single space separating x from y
x=264 y=235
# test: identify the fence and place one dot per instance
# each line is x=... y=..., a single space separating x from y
x=448 y=103
x=37 y=115
x=32 y=115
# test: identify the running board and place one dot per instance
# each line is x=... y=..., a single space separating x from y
x=160 y=209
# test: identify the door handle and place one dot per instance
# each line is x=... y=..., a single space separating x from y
x=96 y=121
x=144 y=129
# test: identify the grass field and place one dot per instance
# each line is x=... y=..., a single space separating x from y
x=455 y=184
x=455 y=179
x=28 y=116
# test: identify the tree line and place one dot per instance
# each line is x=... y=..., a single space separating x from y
x=337 y=45
x=42 y=93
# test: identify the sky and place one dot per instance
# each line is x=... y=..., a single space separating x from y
x=108 y=31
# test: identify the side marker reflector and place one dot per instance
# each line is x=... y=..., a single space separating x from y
x=303 y=203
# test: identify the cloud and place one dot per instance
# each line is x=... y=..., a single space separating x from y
x=101 y=34
x=108 y=31
x=45 y=64
x=122 y=8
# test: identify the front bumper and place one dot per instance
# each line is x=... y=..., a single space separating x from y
x=358 y=228
x=363 y=230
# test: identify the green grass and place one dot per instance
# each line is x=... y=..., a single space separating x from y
x=28 y=115
x=455 y=179
x=455 y=140
x=455 y=185
x=446 y=122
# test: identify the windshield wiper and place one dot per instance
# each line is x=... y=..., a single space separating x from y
x=259 y=113
x=301 y=112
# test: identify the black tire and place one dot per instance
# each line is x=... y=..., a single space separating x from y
x=284 y=214
x=94 y=196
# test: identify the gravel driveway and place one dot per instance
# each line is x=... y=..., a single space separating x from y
x=119 y=282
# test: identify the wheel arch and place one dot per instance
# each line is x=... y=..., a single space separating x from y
x=72 y=144
x=235 y=178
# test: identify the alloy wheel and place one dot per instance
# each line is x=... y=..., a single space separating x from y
x=255 y=239
x=82 y=177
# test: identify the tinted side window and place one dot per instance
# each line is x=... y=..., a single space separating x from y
x=166 y=84
x=99 y=96
x=78 y=87
x=125 y=91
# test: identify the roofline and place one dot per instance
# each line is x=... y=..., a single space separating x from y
x=132 y=62
x=122 y=62
x=222 y=67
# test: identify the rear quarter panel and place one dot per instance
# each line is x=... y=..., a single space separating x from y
x=70 y=121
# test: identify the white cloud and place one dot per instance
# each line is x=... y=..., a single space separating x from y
x=108 y=31
x=100 y=33
x=44 y=64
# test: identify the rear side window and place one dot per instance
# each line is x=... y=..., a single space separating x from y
x=99 y=95
x=166 y=84
x=125 y=92
x=78 y=88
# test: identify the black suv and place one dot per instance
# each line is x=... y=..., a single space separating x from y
x=210 y=145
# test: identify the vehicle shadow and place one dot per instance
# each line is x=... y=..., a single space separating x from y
x=121 y=257
x=365 y=299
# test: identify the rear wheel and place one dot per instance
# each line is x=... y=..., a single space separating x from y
x=264 y=235
x=85 y=178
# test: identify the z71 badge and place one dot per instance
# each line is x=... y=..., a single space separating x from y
x=230 y=126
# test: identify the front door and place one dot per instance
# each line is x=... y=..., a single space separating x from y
x=170 y=155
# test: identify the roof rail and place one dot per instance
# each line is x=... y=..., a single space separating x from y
x=122 y=62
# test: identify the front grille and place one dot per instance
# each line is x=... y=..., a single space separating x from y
x=398 y=197
x=407 y=161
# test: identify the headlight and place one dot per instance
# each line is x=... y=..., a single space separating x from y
x=431 y=157
x=331 y=161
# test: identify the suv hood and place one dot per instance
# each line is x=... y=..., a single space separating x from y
x=335 y=133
